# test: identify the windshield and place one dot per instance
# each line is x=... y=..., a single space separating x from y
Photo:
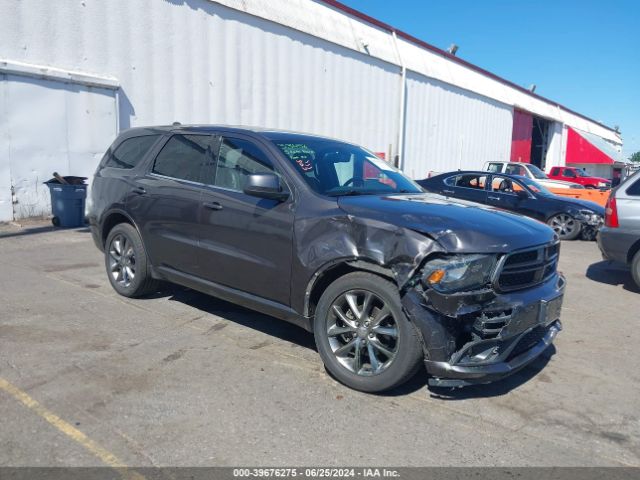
x=536 y=188
x=334 y=168
x=537 y=173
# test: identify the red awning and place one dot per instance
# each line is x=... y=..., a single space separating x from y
x=581 y=150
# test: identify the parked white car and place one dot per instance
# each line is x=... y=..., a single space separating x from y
x=530 y=171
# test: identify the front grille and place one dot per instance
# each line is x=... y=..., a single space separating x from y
x=528 y=268
x=489 y=324
x=528 y=341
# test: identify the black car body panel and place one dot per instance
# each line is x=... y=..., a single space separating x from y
x=462 y=227
x=274 y=255
x=534 y=205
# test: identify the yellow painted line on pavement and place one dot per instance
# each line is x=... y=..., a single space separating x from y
x=70 y=431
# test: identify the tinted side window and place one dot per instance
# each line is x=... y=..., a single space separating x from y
x=516 y=170
x=472 y=181
x=451 y=181
x=634 y=189
x=569 y=173
x=555 y=171
x=130 y=152
x=506 y=185
x=495 y=167
x=183 y=157
x=237 y=160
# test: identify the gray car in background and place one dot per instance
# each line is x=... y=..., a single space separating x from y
x=619 y=239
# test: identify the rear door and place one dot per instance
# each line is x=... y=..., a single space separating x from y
x=628 y=203
x=469 y=186
x=246 y=241
x=165 y=203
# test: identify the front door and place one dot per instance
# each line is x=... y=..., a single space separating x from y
x=165 y=203
x=503 y=193
x=246 y=242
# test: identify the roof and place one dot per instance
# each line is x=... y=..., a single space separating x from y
x=270 y=133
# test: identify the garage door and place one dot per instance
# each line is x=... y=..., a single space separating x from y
x=48 y=126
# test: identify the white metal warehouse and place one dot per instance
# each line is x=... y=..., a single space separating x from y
x=75 y=72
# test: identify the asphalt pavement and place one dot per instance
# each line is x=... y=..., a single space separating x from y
x=181 y=379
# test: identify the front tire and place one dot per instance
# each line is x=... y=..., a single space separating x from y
x=127 y=263
x=567 y=227
x=363 y=336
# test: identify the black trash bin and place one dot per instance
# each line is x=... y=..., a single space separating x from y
x=67 y=201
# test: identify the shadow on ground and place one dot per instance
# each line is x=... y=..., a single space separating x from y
x=19 y=232
x=238 y=314
x=294 y=334
x=612 y=274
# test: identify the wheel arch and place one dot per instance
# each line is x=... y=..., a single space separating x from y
x=329 y=273
x=113 y=218
x=635 y=248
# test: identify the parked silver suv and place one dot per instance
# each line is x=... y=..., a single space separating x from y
x=619 y=239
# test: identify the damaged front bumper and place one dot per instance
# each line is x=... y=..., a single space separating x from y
x=484 y=336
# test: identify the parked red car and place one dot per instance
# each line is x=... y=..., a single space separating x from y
x=572 y=174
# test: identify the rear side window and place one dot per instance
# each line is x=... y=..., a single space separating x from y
x=495 y=167
x=516 y=170
x=451 y=181
x=183 y=157
x=634 y=189
x=130 y=152
x=555 y=171
x=471 y=181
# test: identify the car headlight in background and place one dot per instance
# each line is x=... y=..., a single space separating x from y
x=457 y=273
x=589 y=217
x=603 y=184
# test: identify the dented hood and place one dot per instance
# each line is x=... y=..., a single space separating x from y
x=458 y=226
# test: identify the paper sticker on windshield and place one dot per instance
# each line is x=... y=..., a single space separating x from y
x=381 y=164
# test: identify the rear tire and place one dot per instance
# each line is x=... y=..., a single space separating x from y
x=126 y=262
x=373 y=348
x=635 y=268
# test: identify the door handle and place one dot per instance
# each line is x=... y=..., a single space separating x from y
x=491 y=197
x=448 y=191
x=212 y=205
x=139 y=190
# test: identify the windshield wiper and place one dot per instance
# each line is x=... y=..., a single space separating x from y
x=346 y=193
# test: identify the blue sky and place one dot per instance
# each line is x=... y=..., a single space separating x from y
x=583 y=54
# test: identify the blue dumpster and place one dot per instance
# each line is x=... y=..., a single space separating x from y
x=67 y=204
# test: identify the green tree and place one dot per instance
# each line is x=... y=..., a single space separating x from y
x=635 y=157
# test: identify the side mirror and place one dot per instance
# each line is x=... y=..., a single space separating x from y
x=265 y=185
x=522 y=195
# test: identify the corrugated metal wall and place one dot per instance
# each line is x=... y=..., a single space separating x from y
x=196 y=61
x=450 y=128
x=49 y=126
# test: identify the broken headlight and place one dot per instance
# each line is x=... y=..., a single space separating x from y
x=458 y=273
x=589 y=217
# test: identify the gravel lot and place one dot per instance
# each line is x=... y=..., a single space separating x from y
x=182 y=379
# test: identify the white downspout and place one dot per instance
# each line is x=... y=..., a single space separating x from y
x=403 y=88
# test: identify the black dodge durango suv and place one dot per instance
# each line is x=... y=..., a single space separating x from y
x=325 y=235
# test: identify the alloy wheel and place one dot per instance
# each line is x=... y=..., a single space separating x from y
x=122 y=260
x=362 y=332
x=564 y=225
